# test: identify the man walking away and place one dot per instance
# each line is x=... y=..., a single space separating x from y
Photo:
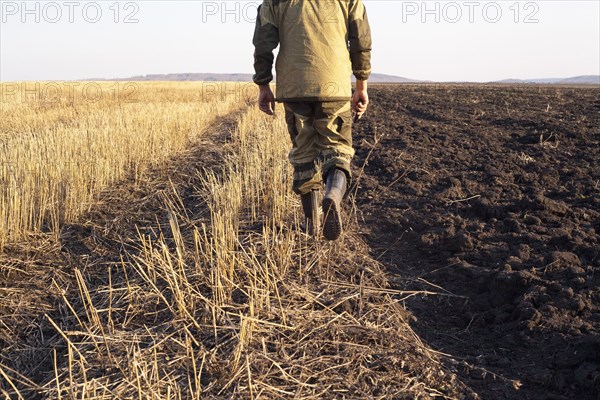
x=322 y=42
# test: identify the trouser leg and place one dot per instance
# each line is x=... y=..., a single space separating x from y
x=300 y=119
x=333 y=123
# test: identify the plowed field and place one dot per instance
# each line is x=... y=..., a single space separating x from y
x=492 y=193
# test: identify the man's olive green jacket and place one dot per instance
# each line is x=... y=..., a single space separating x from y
x=322 y=42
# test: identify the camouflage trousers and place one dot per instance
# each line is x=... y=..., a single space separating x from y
x=321 y=133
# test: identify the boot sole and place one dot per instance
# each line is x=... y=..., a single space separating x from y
x=332 y=226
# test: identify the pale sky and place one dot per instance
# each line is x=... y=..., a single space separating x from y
x=433 y=40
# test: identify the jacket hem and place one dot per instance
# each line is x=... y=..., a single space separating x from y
x=313 y=98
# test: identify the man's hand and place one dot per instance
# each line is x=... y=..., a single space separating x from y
x=360 y=99
x=266 y=100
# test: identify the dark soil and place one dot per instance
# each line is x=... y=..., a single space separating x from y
x=491 y=193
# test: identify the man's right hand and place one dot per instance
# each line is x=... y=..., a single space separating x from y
x=360 y=99
x=266 y=100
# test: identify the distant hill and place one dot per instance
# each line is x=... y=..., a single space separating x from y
x=577 y=80
x=382 y=78
x=375 y=78
x=584 y=79
x=219 y=77
x=192 y=77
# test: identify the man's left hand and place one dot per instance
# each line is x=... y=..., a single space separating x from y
x=266 y=100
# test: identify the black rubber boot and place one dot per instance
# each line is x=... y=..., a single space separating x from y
x=310 y=206
x=332 y=204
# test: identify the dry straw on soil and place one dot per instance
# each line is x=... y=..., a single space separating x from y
x=201 y=286
x=61 y=144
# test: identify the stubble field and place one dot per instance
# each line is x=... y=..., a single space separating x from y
x=150 y=249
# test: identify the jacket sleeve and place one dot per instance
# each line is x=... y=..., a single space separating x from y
x=359 y=37
x=266 y=39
